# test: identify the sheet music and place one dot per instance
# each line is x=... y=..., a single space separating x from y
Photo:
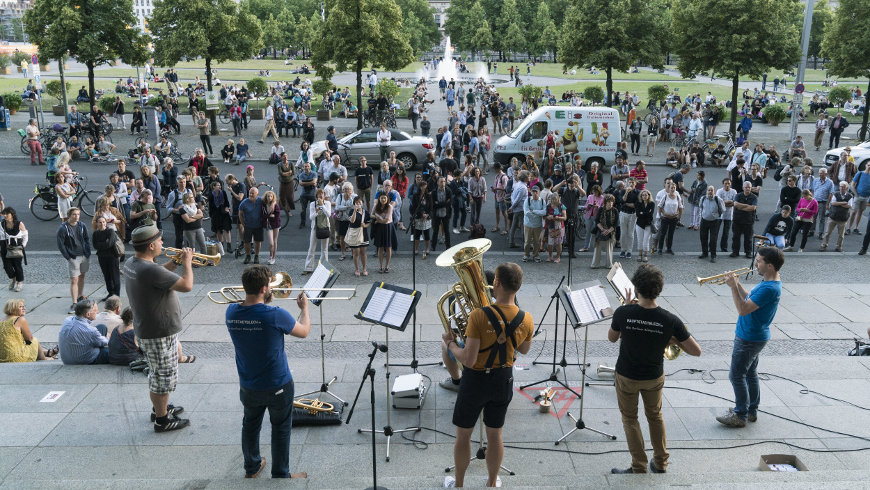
x=378 y=304
x=588 y=304
x=398 y=309
x=599 y=299
x=620 y=282
x=318 y=280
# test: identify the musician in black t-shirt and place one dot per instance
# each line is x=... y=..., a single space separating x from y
x=645 y=330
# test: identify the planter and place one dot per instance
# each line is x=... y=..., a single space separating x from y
x=43 y=68
x=6 y=71
x=19 y=69
x=58 y=110
x=12 y=111
x=66 y=66
x=257 y=114
x=324 y=115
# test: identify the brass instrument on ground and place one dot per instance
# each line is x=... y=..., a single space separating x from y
x=471 y=292
x=720 y=278
x=281 y=286
x=313 y=406
x=198 y=259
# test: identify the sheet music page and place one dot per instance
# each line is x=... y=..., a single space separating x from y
x=586 y=311
x=377 y=306
x=398 y=309
x=620 y=282
x=599 y=299
x=318 y=280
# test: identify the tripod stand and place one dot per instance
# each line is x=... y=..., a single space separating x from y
x=369 y=373
x=324 y=387
x=480 y=455
x=554 y=374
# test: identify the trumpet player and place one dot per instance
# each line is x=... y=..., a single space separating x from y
x=493 y=337
x=151 y=289
x=257 y=332
x=756 y=310
x=646 y=330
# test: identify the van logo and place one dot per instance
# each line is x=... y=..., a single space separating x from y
x=560 y=114
x=578 y=115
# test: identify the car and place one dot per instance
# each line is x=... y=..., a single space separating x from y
x=364 y=143
x=860 y=152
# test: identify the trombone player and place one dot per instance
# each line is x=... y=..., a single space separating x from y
x=756 y=310
x=646 y=330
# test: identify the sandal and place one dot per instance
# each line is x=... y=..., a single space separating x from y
x=365 y=272
x=356 y=273
x=188 y=360
x=494 y=229
x=504 y=232
x=380 y=270
x=52 y=353
x=341 y=258
x=386 y=270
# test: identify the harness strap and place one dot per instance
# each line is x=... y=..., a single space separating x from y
x=499 y=347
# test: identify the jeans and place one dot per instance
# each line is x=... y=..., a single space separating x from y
x=723 y=242
x=666 y=233
x=709 y=233
x=459 y=213
x=590 y=225
x=650 y=391
x=627 y=222
x=279 y=401
x=778 y=240
x=237 y=127
x=178 y=225
x=570 y=232
x=442 y=224
x=476 y=204
x=821 y=218
x=304 y=201
x=516 y=224
x=744 y=376
x=206 y=143
x=866 y=236
x=635 y=143
x=834 y=140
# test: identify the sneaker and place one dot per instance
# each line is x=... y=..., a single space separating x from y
x=627 y=255
x=863 y=251
x=12 y=285
x=538 y=260
x=525 y=258
x=713 y=259
x=848 y=231
x=752 y=417
x=247 y=259
x=731 y=419
x=856 y=231
x=622 y=255
x=466 y=229
x=72 y=309
x=788 y=249
x=455 y=231
x=654 y=469
x=448 y=384
x=617 y=471
x=173 y=423
x=256 y=259
x=18 y=287
x=800 y=250
x=170 y=409
x=449 y=482
x=271 y=261
x=823 y=248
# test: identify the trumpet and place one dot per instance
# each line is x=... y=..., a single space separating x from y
x=720 y=278
x=281 y=286
x=198 y=259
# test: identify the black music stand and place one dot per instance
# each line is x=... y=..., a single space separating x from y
x=370 y=374
x=554 y=373
x=392 y=307
x=585 y=307
x=323 y=278
x=414 y=364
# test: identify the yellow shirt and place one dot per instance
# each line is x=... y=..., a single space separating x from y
x=480 y=328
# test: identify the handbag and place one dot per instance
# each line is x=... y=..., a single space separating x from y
x=118 y=246
x=354 y=237
x=14 y=252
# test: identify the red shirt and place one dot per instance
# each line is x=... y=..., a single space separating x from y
x=401 y=185
x=640 y=175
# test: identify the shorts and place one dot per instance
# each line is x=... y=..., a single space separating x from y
x=500 y=206
x=162 y=356
x=491 y=392
x=252 y=233
x=78 y=266
x=860 y=205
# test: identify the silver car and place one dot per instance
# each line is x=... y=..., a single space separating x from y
x=364 y=143
x=860 y=152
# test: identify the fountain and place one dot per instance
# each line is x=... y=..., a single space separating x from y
x=448 y=68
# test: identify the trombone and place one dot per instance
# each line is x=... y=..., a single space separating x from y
x=281 y=286
x=720 y=278
x=198 y=259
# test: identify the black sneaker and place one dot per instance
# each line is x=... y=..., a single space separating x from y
x=734 y=254
x=863 y=251
x=617 y=471
x=654 y=469
x=669 y=252
x=247 y=259
x=702 y=256
x=170 y=409
x=172 y=423
x=256 y=259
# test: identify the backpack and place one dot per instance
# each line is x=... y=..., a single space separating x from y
x=321 y=225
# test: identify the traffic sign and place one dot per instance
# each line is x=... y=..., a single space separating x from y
x=37 y=76
x=799 y=88
x=34 y=59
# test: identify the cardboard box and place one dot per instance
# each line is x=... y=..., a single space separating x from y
x=780 y=459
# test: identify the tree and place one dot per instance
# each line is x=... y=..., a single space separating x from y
x=306 y=32
x=752 y=48
x=359 y=33
x=215 y=30
x=613 y=35
x=536 y=45
x=847 y=46
x=482 y=40
x=507 y=23
x=513 y=41
x=822 y=18
x=272 y=35
x=657 y=93
x=426 y=33
x=87 y=31
x=462 y=16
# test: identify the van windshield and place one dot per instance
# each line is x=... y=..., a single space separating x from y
x=522 y=127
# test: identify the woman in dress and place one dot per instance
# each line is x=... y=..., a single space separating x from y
x=65 y=193
x=608 y=219
x=645 y=211
x=14 y=234
x=555 y=225
x=271 y=222
x=421 y=213
x=594 y=203
x=103 y=239
x=359 y=219
x=17 y=344
x=318 y=208
x=384 y=232
x=343 y=209
x=477 y=189
x=286 y=198
x=220 y=217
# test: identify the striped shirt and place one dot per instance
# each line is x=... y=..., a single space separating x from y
x=79 y=342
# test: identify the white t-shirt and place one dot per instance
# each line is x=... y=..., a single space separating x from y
x=671 y=205
x=728 y=195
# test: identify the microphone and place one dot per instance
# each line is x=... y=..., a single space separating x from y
x=380 y=347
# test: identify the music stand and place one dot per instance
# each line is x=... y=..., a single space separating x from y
x=392 y=307
x=320 y=281
x=585 y=307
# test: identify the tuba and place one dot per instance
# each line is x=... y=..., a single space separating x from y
x=471 y=292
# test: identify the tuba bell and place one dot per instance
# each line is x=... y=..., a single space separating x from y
x=471 y=292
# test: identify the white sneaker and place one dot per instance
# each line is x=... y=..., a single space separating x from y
x=12 y=285
x=455 y=231
x=271 y=261
x=449 y=482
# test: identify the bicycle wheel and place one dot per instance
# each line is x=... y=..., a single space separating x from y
x=173 y=142
x=43 y=210
x=285 y=218
x=24 y=148
x=106 y=128
x=87 y=202
x=863 y=133
x=224 y=116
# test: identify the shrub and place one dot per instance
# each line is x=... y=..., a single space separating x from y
x=257 y=86
x=657 y=93
x=594 y=93
x=774 y=114
x=13 y=101
x=106 y=103
x=55 y=89
x=4 y=61
x=18 y=57
x=322 y=87
x=839 y=95
x=387 y=87
x=530 y=92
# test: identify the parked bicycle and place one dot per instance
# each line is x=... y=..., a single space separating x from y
x=43 y=204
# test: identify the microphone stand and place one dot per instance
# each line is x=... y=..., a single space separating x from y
x=369 y=373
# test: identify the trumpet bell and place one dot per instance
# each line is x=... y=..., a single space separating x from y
x=282 y=282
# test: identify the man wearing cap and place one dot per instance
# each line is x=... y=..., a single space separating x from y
x=331 y=142
x=151 y=289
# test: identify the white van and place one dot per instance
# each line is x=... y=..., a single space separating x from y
x=591 y=133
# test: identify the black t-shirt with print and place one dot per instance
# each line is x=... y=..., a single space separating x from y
x=644 y=334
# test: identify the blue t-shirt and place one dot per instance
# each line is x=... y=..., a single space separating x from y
x=257 y=332
x=862 y=184
x=252 y=212
x=755 y=327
